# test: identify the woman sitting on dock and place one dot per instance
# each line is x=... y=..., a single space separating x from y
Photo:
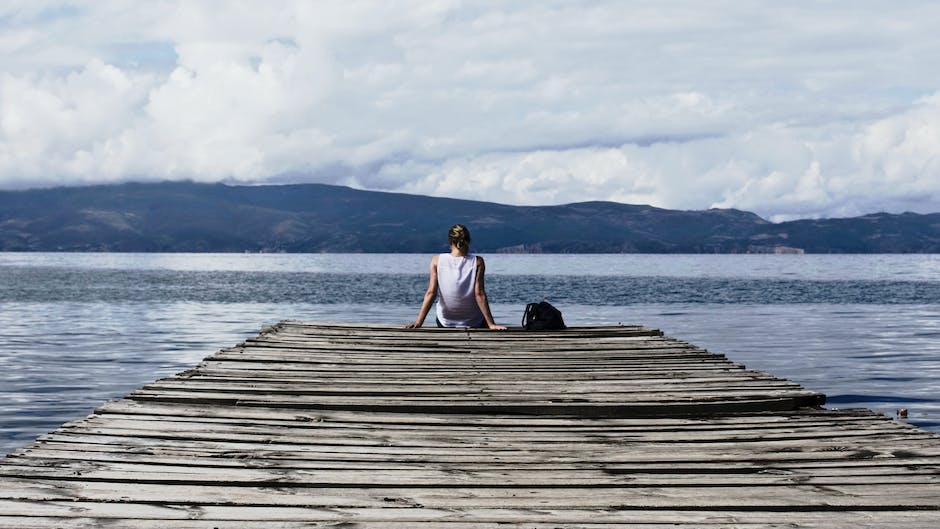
x=458 y=278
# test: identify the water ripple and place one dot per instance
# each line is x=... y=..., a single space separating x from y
x=75 y=335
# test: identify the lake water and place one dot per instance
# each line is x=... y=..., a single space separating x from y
x=79 y=329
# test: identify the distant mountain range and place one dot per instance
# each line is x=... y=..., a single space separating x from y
x=189 y=217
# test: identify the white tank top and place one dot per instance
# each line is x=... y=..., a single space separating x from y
x=456 y=303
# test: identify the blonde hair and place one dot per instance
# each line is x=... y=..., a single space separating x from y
x=459 y=237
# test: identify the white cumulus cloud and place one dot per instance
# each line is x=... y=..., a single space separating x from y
x=787 y=109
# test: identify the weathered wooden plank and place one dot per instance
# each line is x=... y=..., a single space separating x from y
x=415 y=507
x=157 y=409
x=808 y=438
x=432 y=477
x=769 y=521
x=650 y=430
x=422 y=503
x=854 y=520
x=522 y=351
x=845 y=467
x=310 y=366
x=548 y=404
x=492 y=398
x=897 y=449
x=312 y=359
x=598 y=392
x=404 y=432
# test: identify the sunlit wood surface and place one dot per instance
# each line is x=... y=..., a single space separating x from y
x=316 y=425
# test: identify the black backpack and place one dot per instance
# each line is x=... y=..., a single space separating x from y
x=542 y=316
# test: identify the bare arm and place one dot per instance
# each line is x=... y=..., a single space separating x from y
x=479 y=291
x=429 y=296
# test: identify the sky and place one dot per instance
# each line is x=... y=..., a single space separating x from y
x=801 y=109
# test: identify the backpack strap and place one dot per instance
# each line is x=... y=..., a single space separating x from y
x=529 y=315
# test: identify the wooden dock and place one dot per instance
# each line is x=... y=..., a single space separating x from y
x=313 y=425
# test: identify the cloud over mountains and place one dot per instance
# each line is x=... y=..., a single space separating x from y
x=787 y=109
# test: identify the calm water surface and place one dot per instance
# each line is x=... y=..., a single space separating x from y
x=83 y=328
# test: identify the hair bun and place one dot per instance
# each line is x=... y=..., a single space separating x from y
x=459 y=237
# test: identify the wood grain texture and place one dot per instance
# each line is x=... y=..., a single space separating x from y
x=313 y=425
